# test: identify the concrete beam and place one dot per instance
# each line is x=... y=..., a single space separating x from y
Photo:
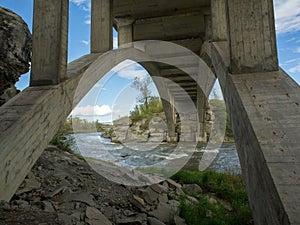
x=125 y=31
x=266 y=131
x=50 y=42
x=101 y=26
x=252 y=37
x=157 y=8
x=169 y=27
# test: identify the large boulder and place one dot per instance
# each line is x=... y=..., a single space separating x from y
x=15 y=51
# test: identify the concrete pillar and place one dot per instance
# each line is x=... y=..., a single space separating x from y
x=101 y=26
x=252 y=36
x=201 y=104
x=171 y=119
x=50 y=42
x=219 y=20
x=125 y=31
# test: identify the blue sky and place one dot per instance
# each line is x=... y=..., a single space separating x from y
x=117 y=84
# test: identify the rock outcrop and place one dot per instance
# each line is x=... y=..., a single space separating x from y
x=152 y=129
x=15 y=52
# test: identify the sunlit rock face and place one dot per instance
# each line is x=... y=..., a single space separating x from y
x=15 y=51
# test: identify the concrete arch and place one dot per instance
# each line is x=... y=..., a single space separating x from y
x=29 y=116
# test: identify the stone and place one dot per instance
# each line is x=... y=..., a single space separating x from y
x=83 y=197
x=194 y=189
x=173 y=184
x=163 y=198
x=139 y=200
x=77 y=215
x=15 y=50
x=30 y=184
x=225 y=204
x=94 y=217
x=148 y=195
x=65 y=219
x=108 y=211
x=179 y=191
x=211 y=200
x=47 y=206
x=133 y=220
x=163 y=213
x=159 y=188
x=192 y=199
x=154 y=221
x=179 y=221
x=61 y=188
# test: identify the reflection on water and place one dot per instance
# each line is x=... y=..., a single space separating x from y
x=92 y=145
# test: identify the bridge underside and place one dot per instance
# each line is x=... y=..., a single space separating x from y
x=261 y=99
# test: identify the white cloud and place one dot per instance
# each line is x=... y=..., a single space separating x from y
x=292 y=61
x=85 y=42
x=298 y=50
x=92 y=110
x=287 y=15
x=115 y=43
x=295 y=69
x=129 y=69
x=87 y=21
x=85 y=5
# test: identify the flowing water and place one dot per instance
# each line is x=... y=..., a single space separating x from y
x=92 y=145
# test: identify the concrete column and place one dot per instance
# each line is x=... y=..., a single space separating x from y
x=125 y=31
x=219 y=20
x=252 y=36
x=101 y=26
x=201 y=109
x=50 y=42
x=171 y=121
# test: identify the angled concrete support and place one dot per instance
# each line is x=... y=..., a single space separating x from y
x=50 y=42
x=264 y=113
x=252 y=36
x=101 y=26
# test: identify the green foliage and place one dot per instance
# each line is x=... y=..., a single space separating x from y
x=224 y=186
x=142 y=85
x=141 y=111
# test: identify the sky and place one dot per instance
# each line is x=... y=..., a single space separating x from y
x=113 y=96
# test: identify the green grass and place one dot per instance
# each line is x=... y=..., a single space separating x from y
x=221 y=186
x=59 y=140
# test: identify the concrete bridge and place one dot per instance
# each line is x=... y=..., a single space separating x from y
x=236 y=39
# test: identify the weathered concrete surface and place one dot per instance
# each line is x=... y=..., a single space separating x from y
x=50 y=42
x=252 y=40
x=265 y=115
x=15 y=49
x=101 y=26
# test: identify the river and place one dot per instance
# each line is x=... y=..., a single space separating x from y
x=92 y=145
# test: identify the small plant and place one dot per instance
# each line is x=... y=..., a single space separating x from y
x=226 y=187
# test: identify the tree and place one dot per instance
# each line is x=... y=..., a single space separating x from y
x=142 y=85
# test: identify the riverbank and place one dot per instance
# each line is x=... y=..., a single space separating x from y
x=62 y=189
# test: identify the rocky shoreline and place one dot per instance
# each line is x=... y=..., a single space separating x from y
x=62 y=189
